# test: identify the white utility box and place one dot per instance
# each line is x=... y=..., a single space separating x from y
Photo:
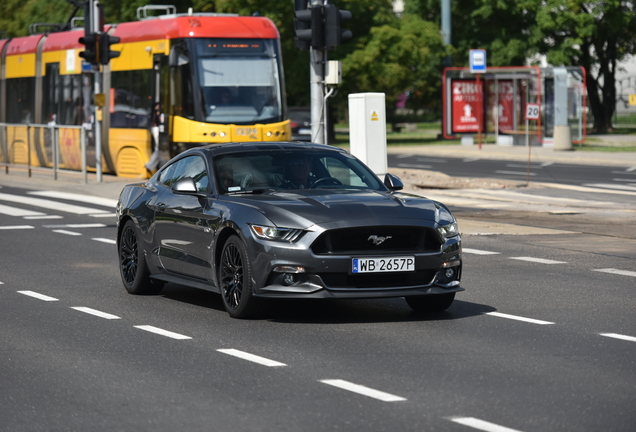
x=367 y=130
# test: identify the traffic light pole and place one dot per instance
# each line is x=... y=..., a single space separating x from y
x=318 y=103
x=98 y=87
x=316 y=81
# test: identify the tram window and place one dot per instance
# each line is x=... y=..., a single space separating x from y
x=50 y=92
x=20 y=100
x=239 y=89
x=71 y=102
x=132 y=99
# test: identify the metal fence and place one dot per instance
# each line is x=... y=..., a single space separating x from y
x=50 y=147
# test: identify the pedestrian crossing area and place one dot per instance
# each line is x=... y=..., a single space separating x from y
x=43 y=205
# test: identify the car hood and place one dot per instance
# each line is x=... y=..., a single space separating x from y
x=332 y=208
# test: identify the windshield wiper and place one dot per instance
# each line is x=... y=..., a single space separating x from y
x=250 y=192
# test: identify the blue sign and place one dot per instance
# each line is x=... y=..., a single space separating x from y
x=477 y=60
x=87 y=67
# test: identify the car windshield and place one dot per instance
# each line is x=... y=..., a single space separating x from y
x=298 y=169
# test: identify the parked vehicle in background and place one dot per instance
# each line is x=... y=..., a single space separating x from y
x=300 y=122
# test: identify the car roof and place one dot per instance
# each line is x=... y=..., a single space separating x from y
x=225 y=148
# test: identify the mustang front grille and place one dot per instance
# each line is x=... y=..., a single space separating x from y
x=378 y=280
x=376 y=241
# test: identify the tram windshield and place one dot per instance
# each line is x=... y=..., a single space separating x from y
x=240 y=80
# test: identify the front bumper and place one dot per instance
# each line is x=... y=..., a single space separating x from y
x=331 y=276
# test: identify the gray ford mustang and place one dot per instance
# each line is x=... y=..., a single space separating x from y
x=285 y=220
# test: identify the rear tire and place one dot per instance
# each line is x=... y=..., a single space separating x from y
x=431 y=302
x=235 y=276
x=132 y=263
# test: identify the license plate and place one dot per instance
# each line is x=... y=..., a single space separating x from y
x=304 y=131
x=380 y=265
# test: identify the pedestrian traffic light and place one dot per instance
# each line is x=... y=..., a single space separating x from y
x=105 y=54
x=91 y=48
x=309 y=28
x=334 y=36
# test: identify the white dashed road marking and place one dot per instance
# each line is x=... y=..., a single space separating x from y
x=514 y=173
x=95 y=312
x=616 y=271
x=105 y=240
x=251 y=357
x=538 y=260
x=518 y=318
x=44 y=217
x=619 y=336
x=16 y=227
x=38 y=295
x=366 y=391
x=71 y=233
x=162 y=332
x=86 y=225
x=479 y=252
x=481 y=424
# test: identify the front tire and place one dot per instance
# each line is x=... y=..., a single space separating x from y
x=431 y=302
x=235 y=276
x=132 y=263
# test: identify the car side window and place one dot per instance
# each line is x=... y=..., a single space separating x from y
x=191 y=166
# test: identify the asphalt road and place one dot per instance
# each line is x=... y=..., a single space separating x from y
x=620 y=178
x=543 y=339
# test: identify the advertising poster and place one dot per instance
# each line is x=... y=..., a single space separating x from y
x=467 y=106
x=501 y=105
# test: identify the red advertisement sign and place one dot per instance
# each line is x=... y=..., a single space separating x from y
x=466 y=108
x=500 y=105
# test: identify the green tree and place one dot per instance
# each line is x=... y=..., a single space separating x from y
x=595 y=35
x=404 y=55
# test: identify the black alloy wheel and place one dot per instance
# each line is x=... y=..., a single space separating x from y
x=431 y=302
x=236 y=279
x=132 y=263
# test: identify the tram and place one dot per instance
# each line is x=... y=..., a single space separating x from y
x=199 y=78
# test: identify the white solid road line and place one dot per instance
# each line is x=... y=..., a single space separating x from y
x=16 y=227
x=365 y=391
x=538 y=260
x=95 y=312
x=71 y=233
x=51 y=205
x=481 y=424
x=251 y=357
x=479 y=252
x=162 y=332
x=90 y=199
x=38 y=295
x=105 y=240
x=518 y=318
x=619 y=336
x=616 y=271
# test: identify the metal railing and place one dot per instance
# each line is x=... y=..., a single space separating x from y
x=33 y=139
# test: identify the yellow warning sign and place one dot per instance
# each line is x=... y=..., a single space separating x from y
x=632 y=99
x=374 y=116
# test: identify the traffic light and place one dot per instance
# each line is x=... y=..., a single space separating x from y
x=309 y=28
x=91 y=50
x=334 y=36
x=105 y=54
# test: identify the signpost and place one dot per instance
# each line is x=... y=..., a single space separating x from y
x=533 y=111
x=477 y=59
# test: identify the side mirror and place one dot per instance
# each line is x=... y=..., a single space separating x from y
x=185 y=185
x=393 y=182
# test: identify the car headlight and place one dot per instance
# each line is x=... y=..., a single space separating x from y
x=449 y=230
x=275 y=233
